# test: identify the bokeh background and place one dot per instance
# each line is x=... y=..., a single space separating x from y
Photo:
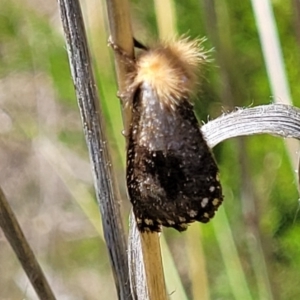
x=250 y=250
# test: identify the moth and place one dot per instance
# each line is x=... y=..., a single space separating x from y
x=172 y=177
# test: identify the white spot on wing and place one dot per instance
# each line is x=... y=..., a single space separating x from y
x=204 y=202
x=192 y=213
x=212 y=188
x=148 y=221
x=184 y=226
x=215 y=201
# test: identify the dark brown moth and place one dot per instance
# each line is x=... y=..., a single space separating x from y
x=172 y=177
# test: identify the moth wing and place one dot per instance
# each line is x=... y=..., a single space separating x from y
x=172 y=176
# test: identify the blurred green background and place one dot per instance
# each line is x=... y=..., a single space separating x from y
x=250 y=250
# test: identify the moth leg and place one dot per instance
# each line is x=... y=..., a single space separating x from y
x=127 y=59
x=125 y=133
x=125 y=96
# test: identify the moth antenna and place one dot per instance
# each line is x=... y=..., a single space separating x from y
x=139 y=45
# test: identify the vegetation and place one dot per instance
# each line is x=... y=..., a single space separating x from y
x=250 y=250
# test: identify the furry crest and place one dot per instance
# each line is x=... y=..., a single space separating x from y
x=171 y=69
